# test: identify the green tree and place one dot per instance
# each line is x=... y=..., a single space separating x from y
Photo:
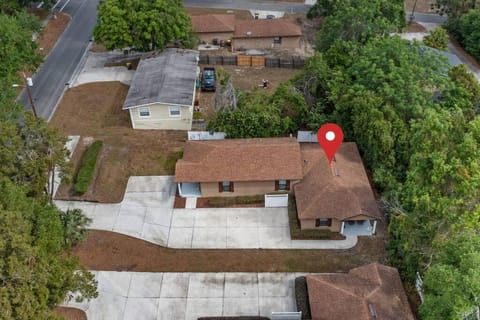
x=28 y=151
x=74 y=225
x=143 y=25
x=35 y=269
x=258 y=116
x=452 y=284
x=469 y=28
x=359 y=21
x=455 y=8
x=437 y=38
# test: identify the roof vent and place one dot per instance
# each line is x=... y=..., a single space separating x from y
x=249 y=33
x=373 y=310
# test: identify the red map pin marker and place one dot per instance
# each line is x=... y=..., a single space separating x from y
x=330 y=137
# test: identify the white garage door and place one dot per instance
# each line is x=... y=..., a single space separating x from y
x=276 y=200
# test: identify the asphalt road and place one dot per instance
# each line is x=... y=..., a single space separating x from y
x=249 y=4
x=50 y=80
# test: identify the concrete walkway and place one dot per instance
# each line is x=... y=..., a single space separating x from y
x=179 y=296
x=147 y=213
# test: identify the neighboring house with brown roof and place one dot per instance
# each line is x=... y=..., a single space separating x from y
x=266 y=34
x=248 y=34
x=236 y=167
x=162 y=91
x=336 y=196
x=369 y=292
x=213 y=26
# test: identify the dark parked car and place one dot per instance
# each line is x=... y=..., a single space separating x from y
x=208 y=79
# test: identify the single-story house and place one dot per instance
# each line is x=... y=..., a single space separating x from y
x=213 y=26
x=369 y=292
x=237 y=167
x=162 y=91
x=335 y=196
x=266 y=34
x=247 y=34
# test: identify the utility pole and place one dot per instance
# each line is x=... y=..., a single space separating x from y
x=412 y=15
x=27 y=83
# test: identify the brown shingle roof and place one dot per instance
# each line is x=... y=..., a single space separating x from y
x=264 y=28
x=213 y=23
x=240 y=160
x=323 y=194
x=373 y=288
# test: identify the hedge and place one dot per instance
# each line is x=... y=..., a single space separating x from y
x=222 y=202
x=86 y=172
x=301 y=297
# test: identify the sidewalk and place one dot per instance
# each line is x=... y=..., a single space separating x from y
x=147 y=213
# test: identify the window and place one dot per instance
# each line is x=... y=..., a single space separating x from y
x=144 y=112
x=282 y=185
x=174 y=111
x=225 y=186
x=323 y=222
x=277 y=40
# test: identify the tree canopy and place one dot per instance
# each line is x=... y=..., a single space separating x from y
x=36 y=273
x=36 y=268
x=357 y=20
x=142 y=25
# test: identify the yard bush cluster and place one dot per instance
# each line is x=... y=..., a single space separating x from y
x=86 y=172
x=466 y=29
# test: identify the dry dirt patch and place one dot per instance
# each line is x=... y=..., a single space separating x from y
x=104 y=250
x=70 y=313
x=239 y=14
x=52 y=31
x=94 y=111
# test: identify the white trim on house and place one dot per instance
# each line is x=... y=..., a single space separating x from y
x=158 y=102
x=131 y=118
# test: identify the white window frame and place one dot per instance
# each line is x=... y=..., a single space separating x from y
x=174 y=108
x=144 y=109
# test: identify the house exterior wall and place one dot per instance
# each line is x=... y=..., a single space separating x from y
x=244 y=188
x=310 y=224
x=266 y=43
x=209 y=36
x=336 y=224
x=160 y=118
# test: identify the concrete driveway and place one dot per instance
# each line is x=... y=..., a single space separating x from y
x=168 y=296
x=147 y=213
x=144 y=213
x=240 y=228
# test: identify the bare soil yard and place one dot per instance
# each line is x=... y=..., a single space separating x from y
x=71 y=313
x=94 y=111
x=239 y=14
x=51 y=32
x=421 y=6
x=104 y=250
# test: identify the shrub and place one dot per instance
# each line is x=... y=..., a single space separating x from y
x=87 y=168
x=438 y=39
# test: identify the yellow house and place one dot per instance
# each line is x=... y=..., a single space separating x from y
x=162 y=91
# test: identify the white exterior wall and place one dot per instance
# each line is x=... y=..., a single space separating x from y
x=160 y=118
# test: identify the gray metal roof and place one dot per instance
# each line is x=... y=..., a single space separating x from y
x=168 y=78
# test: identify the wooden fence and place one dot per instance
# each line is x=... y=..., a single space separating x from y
x=294 y=62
